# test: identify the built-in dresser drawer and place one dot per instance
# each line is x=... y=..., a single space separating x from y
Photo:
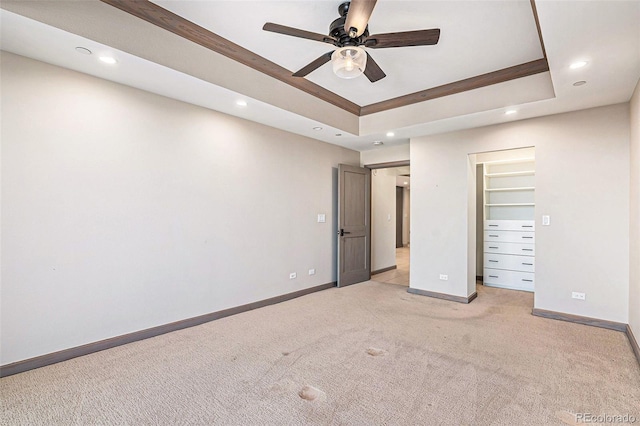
x=509 y=279
x=510 y=248
x=509 y=225
x=510 y=262
x=510 y=236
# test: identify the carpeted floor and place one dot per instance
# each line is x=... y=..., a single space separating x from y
x=368 y=354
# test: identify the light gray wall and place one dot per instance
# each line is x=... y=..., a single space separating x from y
x=385 y=155
x=123 y=210
x=634 y=234
x=582 y=182
x=383 y=228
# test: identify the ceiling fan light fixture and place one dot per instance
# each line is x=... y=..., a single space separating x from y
x=349 y=61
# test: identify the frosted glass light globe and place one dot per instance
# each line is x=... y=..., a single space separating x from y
x=349 y=61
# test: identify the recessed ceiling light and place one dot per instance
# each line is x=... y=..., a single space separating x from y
x=405 y=183
x=390 y=134
x=577 y=65
x=108 y=60
x=579 y=83
x=83 y=50
x=241 y=103
x=338 y=134
x=317 y=128
x=510 y=112
x=378 y=143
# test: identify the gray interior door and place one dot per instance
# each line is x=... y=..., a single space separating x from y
x=354 y=225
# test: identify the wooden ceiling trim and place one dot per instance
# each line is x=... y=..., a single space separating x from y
x=495 y=77
x=535 y=18
x=176 y=24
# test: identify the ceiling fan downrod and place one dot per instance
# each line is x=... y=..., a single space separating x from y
x=336 y=29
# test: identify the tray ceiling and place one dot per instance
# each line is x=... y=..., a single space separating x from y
x=490 y=57
x=476 y=38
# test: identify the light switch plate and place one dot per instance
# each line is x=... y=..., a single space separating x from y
x=546 y=220
x=322 y=218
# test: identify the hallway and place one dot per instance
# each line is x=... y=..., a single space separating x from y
x=399 y=276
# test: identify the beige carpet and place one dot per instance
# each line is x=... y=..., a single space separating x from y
x=366 y=354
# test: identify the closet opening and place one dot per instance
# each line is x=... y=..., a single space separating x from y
x=505 y=219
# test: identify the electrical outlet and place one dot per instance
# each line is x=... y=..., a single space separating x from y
x=292 y=275
x=312 y=271
x=579 y=296
x=444 y=277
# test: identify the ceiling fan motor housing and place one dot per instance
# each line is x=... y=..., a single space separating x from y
x=344 y=8
x=336 y=29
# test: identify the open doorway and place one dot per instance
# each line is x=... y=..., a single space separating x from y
x=505 y=219
x=391 y=224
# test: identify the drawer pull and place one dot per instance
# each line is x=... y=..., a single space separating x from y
x=493 y=276
x=528 y=264
x=527 y=249
x=529 y=281
x=495 y=235
x=527 y=226
x=493 y=225
x=494 y=261
x=493 y=247
x=527 y=237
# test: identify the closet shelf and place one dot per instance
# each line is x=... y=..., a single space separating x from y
x=519 y=188
x=507 y=174
x=511 y=161
x=510 y=204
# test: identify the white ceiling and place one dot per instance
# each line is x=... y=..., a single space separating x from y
x=477 y=37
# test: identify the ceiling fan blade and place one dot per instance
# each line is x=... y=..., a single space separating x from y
x=313 y=65
x=295 y=32
x=407 y=38
x=373 y=70
x=358 y=16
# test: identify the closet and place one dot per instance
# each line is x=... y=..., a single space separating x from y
x=509 y=225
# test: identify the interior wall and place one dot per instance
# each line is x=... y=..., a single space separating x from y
x=634 y=234
x=123 y=210
x=509 y=154
x=582 y=182
x=383 y=219
x=386 y=154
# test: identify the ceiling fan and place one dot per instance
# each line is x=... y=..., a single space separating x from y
x=348 y=33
